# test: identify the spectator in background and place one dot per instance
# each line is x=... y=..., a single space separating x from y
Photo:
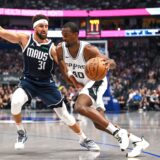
x=122 y=102
x=134 y=100
x=155 y=101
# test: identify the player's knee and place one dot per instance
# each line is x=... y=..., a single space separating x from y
x=16 y=107
x=65 y=116
x=19 y=98
x=68 y=119
x=79 y=108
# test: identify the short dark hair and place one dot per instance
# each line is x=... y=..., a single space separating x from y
x=73 y=26
x=38 y=17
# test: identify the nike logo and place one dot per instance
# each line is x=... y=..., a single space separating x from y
x=94 y=91
x=32 y=44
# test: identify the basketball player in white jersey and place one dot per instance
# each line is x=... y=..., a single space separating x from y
x=72 y=56
x=38 y=57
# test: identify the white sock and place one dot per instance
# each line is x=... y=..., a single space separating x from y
x=111 y=128
x=19 y=126
x=134 y=138
x=82 y=136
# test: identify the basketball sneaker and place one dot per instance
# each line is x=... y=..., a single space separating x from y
x=122 y=136
x=138 y=148
x=90 y=145
x=21 y=139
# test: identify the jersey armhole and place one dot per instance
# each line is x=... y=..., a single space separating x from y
x=50 y=55
x=23 y=49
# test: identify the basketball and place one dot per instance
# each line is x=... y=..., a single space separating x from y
x=95 y=69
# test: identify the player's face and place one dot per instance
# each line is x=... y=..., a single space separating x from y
x=69 y=37
x=41 y=31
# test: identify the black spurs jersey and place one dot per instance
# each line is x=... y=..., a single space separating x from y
x=37 y=59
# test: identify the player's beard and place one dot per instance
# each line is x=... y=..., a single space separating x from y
x=68 y=45
x=41 y=36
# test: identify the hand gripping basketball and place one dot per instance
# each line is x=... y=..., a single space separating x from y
x=96 y=68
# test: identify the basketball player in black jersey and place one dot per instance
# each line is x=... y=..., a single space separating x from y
x=39 y=56
x=72 y=56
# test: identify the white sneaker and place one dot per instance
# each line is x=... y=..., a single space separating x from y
x=90 y=145
x=138 y=148
x=122 y=136
x=21 y=139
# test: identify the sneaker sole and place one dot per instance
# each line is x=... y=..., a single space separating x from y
x=91 y=149
x=145 y=146
x=20 y=146
x=95 y=150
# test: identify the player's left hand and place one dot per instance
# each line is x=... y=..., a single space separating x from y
x=75 y=83
x=78 y=85
x=110 y=63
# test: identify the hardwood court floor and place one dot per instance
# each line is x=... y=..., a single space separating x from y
x=50 y=139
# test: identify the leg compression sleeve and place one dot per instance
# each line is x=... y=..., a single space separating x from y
x=19 y=98
x=64 y=115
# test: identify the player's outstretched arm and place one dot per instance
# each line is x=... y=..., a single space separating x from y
x=13 y=37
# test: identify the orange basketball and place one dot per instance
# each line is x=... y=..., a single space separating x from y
x=95 y=69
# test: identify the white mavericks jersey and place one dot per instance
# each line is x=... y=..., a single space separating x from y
x=76 y=65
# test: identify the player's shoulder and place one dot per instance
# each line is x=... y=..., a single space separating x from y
x=23 y=39
x=59 y=45
x=24 y=35
x=90 y=51
x=59 y=49
x=89 y=48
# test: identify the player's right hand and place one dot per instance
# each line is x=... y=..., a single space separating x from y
x=75 y=83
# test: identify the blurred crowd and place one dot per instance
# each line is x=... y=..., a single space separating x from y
x=5 y=95
x=135 y=83
x=11 y=62
x=74 y=4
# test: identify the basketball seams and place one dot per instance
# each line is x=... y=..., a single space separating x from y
x=91 y=66
x=101 y=76
x=96 y=61
x=95 y=69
